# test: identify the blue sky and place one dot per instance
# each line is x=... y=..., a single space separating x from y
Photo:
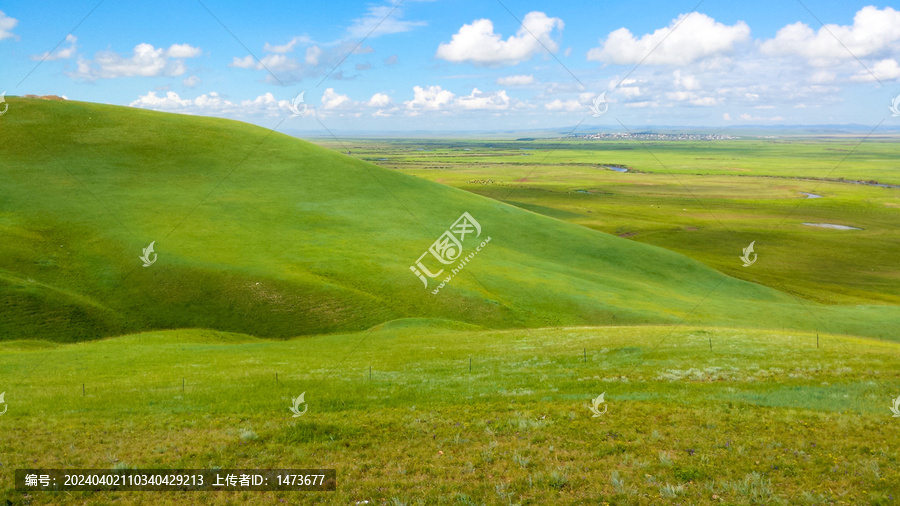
x=454 y=65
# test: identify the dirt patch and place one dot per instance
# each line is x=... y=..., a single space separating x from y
x=628 y=234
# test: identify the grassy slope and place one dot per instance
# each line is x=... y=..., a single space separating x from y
x=261 y=233
x=761 y=418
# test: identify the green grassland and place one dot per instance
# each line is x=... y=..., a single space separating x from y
x=264 y=234
x=724 y=385
x=704 y=199
x=761 y=418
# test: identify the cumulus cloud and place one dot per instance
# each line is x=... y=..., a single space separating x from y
x=333 y=100
x=183 y=51
x=519 y=80
x=145 y=61
x=476 y=43
x=479 y=100
x=883 y=70
x=873 y=31
x=431 y=98
x=212 y=104
x=6 y=27
x=697 y=36
x=379 y=100
x=63 y=53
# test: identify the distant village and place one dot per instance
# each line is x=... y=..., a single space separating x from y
x=655 y=137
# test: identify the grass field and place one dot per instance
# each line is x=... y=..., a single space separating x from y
x=284 y=267
x=703 y=199
x=761 y=418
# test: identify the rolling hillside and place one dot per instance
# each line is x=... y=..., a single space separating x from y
x=264 y=234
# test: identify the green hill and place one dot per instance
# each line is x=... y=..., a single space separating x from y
x=261 y=233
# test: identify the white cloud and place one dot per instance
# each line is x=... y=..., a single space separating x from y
x=315 y=60
x=480 y=100
x=212 y=104
x=432 y=98
x=273 y=62
x=6 y=26
x=379 y=100
x=246 y=62
x=685 y=82
x=60 y=54
x=873 y=31
x=145 y=61
x=191 y=81
x=680 y=96
x=518 y=80
x=629 y=91
x=278 y=62
x=286 y=48
x=691 y=98
x=312 y=55
x=698 y=36
x=747 y=117
x=822 y=76
x=884 y=70
x=726 y=117
x=391 y=60
x=565 y=105
x=704 y=101
x=477 y=43
x=333 y=100
x=183 y=51
x=381 y=20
